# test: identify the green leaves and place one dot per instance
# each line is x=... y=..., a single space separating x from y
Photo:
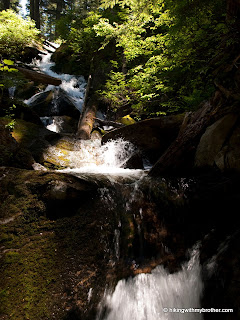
x=15 y=33
x=163 y=50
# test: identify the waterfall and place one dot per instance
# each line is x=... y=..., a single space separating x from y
x=158 y=295
x=72 y=86
x=89 y=156
x=11 y=92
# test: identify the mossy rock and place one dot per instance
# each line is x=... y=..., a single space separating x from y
x=49 y=246
x=127 y=120
x=11 y=152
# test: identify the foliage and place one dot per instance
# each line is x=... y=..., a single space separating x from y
x=158 y=55
x=9 y=77
x=116 y=90
x=15 y=33
x=84 y=39
x=59 y=16
x=168 y=47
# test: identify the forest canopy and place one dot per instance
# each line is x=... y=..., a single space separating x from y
x=157 y=56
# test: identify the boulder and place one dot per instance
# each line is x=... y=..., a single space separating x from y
x=127 y=120
x=28 y=90
x=11 y=153
x=29 y=139
x=219 y=145
x=179 y=157
x=19 y=110
x=23 y=112
x=65 y=63
x=60 y=124
x=8 y=146
x=53 y=103
x=29 y=53
x=151 y=136
x=40 y=191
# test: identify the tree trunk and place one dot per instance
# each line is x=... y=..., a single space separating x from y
x=87 y=118
x=35 y=12
x=59 y=10
x=32 y=9
x=109 y=123
x=179 y=157
x=6 y=4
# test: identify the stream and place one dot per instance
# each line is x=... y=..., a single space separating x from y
x=157 y=294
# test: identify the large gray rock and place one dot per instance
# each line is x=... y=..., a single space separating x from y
x=54 y=103
x=219 y=145
x=229 y=156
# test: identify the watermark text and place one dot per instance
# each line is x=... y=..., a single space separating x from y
x=197 y=310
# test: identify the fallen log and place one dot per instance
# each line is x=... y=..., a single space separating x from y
x=88 y=114
x=50 y=44
x=38 y=77
x=87 y=120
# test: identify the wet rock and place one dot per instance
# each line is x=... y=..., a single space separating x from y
x=65 y=124
x=45 y=242
x=221 y=275
x=135 y=162
x=219 y=145
x=32 y=140
x=54 y=103
x=70 y=236
x=31 y=52
x=151 y=136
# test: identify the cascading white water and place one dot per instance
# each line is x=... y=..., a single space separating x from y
x=158 y=295
x=73 y=86
x=83 y=156
x=89 y=156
